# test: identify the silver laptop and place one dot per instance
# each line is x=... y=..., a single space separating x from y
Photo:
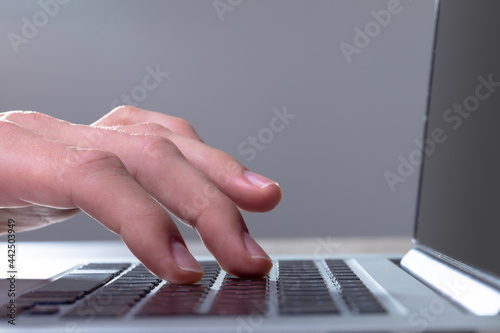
x=448 y=282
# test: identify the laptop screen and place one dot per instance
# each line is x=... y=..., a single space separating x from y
x=459 y=203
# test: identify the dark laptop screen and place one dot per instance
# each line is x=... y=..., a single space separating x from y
x=459 y=205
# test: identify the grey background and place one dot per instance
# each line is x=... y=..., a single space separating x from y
x=353 y=120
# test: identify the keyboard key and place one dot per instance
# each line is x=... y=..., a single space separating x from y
x=88 y=310
x=77 y=283
x=41 y=310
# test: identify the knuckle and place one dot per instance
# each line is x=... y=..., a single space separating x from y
x=93 y=162
x=123 y=113
x=156 y=129
x=158 y=147
x=188 y=213
x=183 y=124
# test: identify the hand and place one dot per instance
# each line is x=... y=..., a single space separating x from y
x=125 y=171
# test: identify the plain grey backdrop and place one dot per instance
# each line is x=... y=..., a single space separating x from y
x=354 y=78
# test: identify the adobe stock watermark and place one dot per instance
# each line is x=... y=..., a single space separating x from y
x=325 y=246
x=372 y=29
x=429 y=313
x=150 y=81
x=12 y=271
x=31 y=25
x=255 y=319
x=454 y=116
x=257 y=143
x=224 y=6
x=201 y=197
x=89 y=311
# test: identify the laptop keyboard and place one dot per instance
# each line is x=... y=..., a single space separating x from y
x=298 y=287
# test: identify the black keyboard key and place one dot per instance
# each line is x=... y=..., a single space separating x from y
x=41 y=310
x=88 y=310
x=77 y=283
x=50 y=294
x=51 y=300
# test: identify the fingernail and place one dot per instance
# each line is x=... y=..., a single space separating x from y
x=258 y=180
x=253 y=248
x=184 y=259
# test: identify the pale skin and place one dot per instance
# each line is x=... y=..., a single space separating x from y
x=126 y=170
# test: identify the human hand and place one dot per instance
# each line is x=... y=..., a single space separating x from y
x=124 y=170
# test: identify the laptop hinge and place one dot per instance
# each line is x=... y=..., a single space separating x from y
x=471 y=293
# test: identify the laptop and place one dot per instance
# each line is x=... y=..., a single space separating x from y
x=448 y=282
